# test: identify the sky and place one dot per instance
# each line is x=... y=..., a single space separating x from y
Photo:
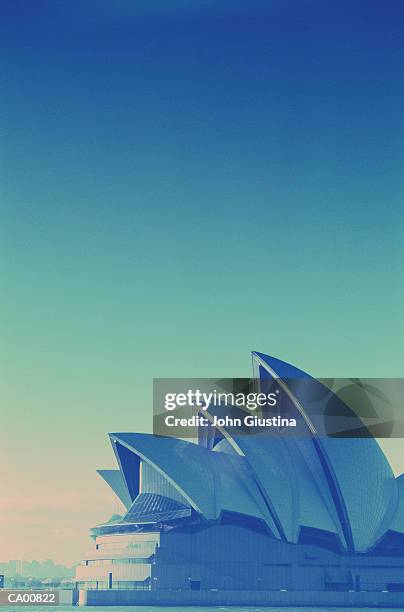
x=183 y=183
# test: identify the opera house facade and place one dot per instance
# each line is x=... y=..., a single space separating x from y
x=232 y=512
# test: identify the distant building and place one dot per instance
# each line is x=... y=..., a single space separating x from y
x=15 y=567
x=250 y=512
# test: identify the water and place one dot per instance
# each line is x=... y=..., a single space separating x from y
x=63 y=608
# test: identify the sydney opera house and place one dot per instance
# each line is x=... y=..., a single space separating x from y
x=251 y=513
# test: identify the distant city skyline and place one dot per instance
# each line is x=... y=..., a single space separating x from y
x=35 y=569
x=183 y=183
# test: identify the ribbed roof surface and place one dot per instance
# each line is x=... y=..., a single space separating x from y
x=150 y=507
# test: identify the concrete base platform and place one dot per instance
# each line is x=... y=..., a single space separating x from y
x=320 y=599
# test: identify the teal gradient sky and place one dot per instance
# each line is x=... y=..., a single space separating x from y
x=179 y=187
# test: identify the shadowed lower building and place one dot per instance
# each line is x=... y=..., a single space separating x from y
x=250 y=513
